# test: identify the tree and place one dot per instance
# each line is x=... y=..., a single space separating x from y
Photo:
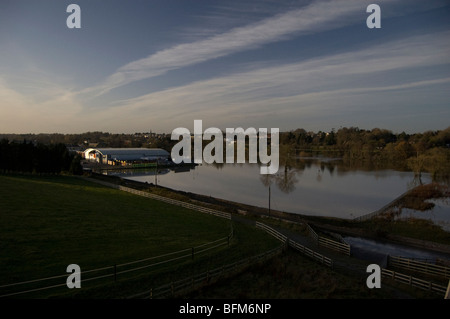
x=75 y=166
x=403 y=150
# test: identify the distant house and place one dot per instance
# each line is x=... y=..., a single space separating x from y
x=123 y=156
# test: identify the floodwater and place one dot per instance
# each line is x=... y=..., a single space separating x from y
x=317 y=188
x=377 y=251
x=439 y=214
x=320 y=187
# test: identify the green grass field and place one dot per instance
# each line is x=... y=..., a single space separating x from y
x=49 y=222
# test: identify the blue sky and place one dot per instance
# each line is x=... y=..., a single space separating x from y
x=139 y=66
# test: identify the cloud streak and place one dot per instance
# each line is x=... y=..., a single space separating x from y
x=298 y=88
x=317 y=73
x=316 y=17
x=258 y=92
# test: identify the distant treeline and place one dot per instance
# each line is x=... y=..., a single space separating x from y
x=97 y=139
x=344 y=139
x=355 y=139
x=419 y=152
x=27 y=157
x=381 y=148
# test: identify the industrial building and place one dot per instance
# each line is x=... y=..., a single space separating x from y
x=126 y=156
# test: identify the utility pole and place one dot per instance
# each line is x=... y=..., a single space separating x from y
x=156 y=174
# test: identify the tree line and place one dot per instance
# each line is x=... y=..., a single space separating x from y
x=97 y=139
x=28 y=157
x=419 y=152
x=380 y=148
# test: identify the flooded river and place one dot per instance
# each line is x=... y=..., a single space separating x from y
x=318 y=188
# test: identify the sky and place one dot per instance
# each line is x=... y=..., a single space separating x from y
x=157 y=65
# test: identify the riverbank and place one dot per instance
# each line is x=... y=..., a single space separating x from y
x=418 y=234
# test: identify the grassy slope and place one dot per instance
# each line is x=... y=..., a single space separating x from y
x=293 y=276
x=47 y=223
x=98 y=226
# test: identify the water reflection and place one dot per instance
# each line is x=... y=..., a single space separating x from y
x=377 y=251
x=285 y=180
x=311 y=186
x=416 y=181
x=143 y=172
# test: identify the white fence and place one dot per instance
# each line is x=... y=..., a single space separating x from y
x=165 y=199
x=381 y=210
x=335 y=245
x=304 y=250
x=340 y=246
x=177 y=288
x=177 y=202
x=190 y=283
x=312 y=233
x=114 y=271
x=419 y=266
x=414 y=282
x=311 y=253
x=272 y=232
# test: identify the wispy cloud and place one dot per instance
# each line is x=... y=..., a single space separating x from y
x=319 y=73
x=256 y=92
x=297 y=87
x=316 y=17
x=304 y=89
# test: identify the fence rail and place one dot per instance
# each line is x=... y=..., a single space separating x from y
x=176 y=202
x=311 y=253
x=419 y=266
x=312 y=233
x=340 y=246
x=272 y=232
x=114 y=271
x=303 y=249
x=165 y=199
x=381 y=210
x=414 y=282
x=335 y=245
x=190 y=283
